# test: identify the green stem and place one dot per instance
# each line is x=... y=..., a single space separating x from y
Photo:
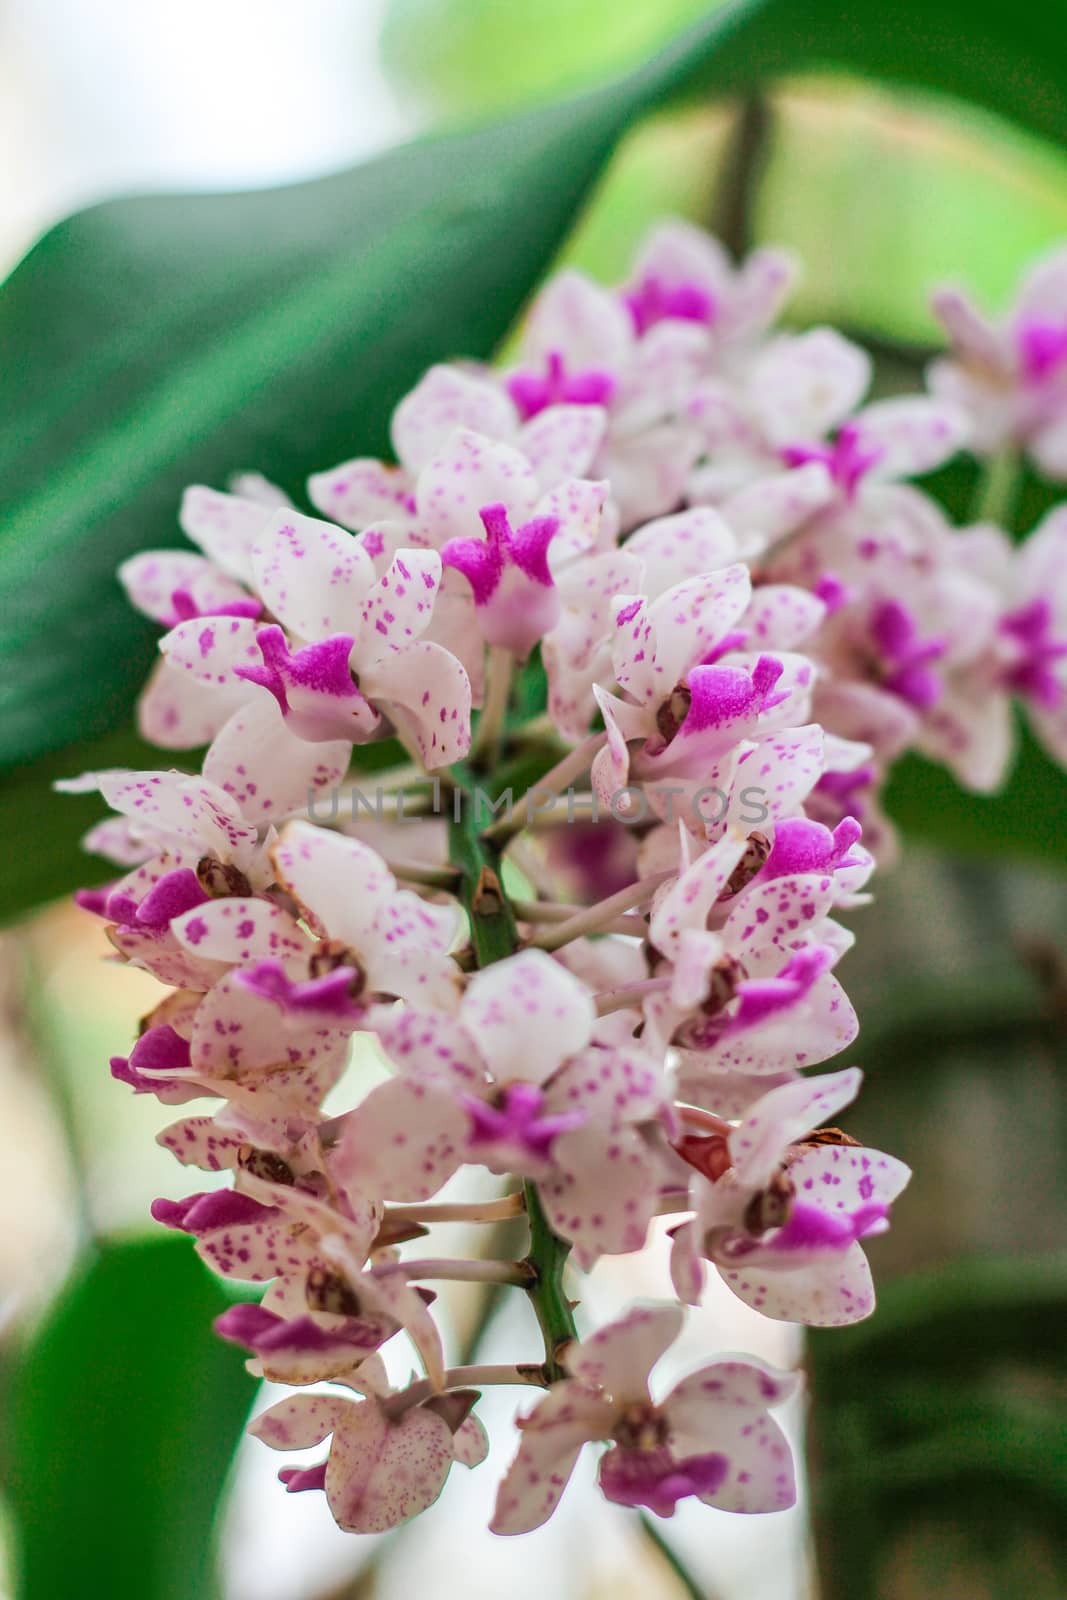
x=997 y=489
x=495 y=936
x=743 y=166
x=548 y=1258
x=688 y=1583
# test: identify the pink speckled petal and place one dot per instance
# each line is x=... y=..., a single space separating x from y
x=828 y=1293
x=819 y=1025
x=688 y=902
x=164 y=958
x=444 y=399
x=692 y=617
x=241 y=930
x=202 y=1142
x=300 y=1421
x=912 y=436
x=551 y=1437
x=561 y=442
x=362 y=491
x=426 y=692
x=580 y=319
x=848 y=1177
x=781 y=769
x=611 y=1086
x=724 y=1407
x=313 y=576
x=470 y=472
x=180 y=810
x=577 y=505
x=577 y=651
x=236 y=1235
x=210 y=648
x=774 y=506
x=225 y=526
x=176 y=713
x=397 y=610
x=783 y=912
x=783 y=1116
x=704 y=1397
x=151 y=578
x=782 y=617
x=685 y=545
x=404 y=1141
x=602 y=1192
x=426 y=1045
x=470 y=1443
x=527 y=1014
x=808 y=383
x=619 y=1356
x=381 y=1473
x=341 y=883
x=237 y=1033
x=269 y=772
x=634 y=648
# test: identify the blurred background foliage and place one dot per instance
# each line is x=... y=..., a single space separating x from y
x=938 y=1446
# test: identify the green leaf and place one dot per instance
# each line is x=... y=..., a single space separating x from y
x=961 y=1318
x=1021 y=822
x=127 y=1409
x=151 y=343
x=945 y=1407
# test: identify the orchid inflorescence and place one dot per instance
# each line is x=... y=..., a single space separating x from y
x=692 y=533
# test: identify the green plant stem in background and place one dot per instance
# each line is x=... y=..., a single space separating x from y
x=688 y=1583
x=733 y=214
x=997 y=489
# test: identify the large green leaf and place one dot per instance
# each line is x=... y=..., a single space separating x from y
x=125 y=1415
x=150 y=343
x=944 y=1407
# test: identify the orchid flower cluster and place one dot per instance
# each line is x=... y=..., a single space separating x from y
x=598 y=1005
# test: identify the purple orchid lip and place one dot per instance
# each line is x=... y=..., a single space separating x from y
x=810 y=1232
x=801 y=845
x=205 y=1213
x=320 y=668
x=848 y=459
x=173 y=894
x=907 y=657
x=655 y=300
x=267 y=1334
x=510 y=578
x=1042 y=348
x=533 y=392
x=658 y=1480
x=329 y=996
x=298 y=1479
x=517 y=1122
x=1034 y=675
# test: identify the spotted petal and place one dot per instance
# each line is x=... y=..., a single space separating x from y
x=380 y=1473
x=527 y=1014
x=552 y=1436
x=619 y=1356
x=313 y=576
